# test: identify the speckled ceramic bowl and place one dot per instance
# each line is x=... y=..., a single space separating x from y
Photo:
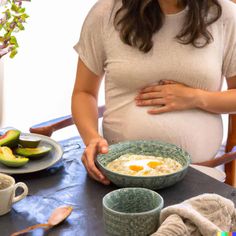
x=154 y=148
x=131 y=211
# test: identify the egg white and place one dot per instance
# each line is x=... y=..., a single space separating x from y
x=142 y=163
x=125 y=165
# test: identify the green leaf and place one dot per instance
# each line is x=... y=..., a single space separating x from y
x=23 y=17
x=7 y=14
x=15 y=19
x=7 y=35
x=15 y=8
x=13 y=53
x=22 y=10
x=20 y=26
x=13 y=41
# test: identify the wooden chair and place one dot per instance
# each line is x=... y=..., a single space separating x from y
x=229 y=158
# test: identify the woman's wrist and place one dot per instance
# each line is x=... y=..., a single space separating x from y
x=211 y=101
x=91 y=138
x=216 y=102
x=202 y=98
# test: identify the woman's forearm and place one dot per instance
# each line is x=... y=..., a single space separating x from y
x=85 y=115
x=217 y=102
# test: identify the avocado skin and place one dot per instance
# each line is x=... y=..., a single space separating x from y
x=33 y=153
x=10 y=138
x=8 y=159
x=17 y=162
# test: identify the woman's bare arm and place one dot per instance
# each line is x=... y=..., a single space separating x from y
x=85 y=115
x=84 y=102
x=219 y=102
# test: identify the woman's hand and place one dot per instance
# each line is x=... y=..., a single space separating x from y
x=167 y=96
x=95 y=146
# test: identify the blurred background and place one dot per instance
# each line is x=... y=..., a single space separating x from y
x=38 y=82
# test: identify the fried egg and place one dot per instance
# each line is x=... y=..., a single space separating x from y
x=142 y=165
x=145 y=164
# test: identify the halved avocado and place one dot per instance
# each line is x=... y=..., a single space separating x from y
x=33 y=152
x=28 y=141
x=7 y=158
x=10 y=138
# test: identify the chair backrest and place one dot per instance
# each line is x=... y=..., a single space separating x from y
x=47 y=128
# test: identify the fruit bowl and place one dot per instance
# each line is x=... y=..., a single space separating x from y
x=153 y=148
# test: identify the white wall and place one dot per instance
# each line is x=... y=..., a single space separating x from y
x=39 y=80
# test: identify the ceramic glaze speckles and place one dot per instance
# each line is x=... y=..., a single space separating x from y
x=154 y=148
x=131 y=211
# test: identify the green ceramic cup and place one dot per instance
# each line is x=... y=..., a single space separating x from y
x=131 y=212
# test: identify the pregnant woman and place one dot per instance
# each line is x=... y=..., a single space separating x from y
x=164 y=62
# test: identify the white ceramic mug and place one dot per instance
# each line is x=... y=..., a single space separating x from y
x=7 y=192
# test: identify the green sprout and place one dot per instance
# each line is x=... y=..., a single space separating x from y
x=12 y=20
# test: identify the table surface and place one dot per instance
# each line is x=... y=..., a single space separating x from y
x=67 y=183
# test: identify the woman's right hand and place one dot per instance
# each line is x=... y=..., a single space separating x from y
x=96 y=146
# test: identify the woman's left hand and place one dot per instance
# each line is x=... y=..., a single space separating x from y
x=169 y=96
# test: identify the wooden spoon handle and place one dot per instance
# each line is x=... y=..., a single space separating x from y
x=30 y=228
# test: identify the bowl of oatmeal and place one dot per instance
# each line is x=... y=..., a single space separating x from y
x=148 y=164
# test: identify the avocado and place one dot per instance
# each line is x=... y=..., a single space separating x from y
x=10 y=138
x=33 y=152
x=28 y=141
x=7 y=158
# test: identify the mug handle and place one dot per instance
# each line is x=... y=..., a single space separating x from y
x=21 y=196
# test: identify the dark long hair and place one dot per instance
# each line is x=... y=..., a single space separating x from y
x=138 y=20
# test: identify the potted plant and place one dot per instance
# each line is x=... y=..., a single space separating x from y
x=12 y=20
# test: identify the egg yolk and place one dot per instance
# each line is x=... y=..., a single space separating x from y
x=136 y=168
x=154 y=164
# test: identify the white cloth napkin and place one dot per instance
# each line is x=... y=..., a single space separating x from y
x=204 y=215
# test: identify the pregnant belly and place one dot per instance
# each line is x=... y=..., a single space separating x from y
x=198 y=132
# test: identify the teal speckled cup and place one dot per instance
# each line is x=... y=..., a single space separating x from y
x=131 y=212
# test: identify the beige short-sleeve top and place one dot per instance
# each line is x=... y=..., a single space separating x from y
x=127 y=70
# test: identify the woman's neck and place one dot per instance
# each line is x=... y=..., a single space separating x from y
x=171 y=6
